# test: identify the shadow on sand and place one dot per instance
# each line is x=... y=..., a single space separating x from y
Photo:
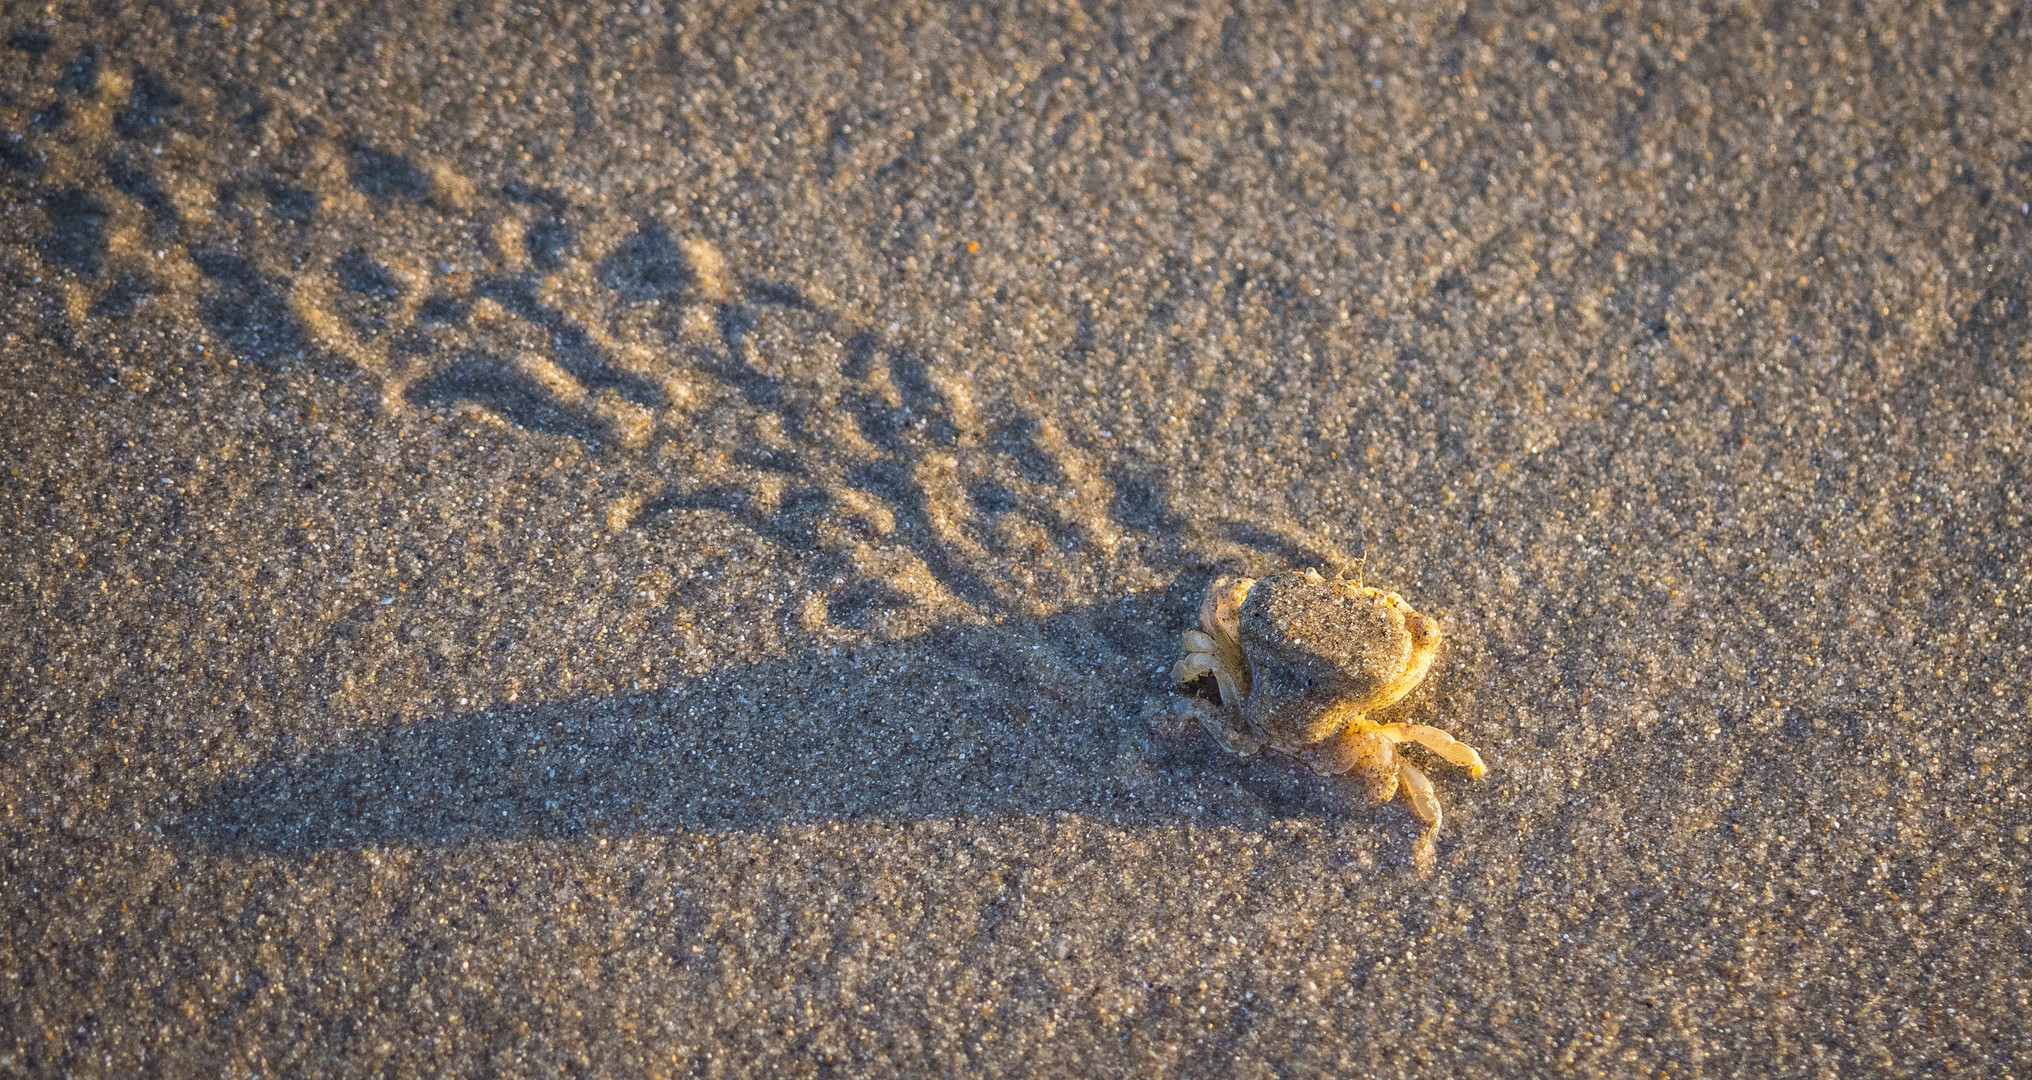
x=1022 y=718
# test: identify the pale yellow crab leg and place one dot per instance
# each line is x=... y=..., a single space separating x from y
x=1418 y=792
x=1226 y=728
x=1439 y=742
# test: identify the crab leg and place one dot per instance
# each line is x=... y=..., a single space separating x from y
x=1439 y=742
x=1418 y=792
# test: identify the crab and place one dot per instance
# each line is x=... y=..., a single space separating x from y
x=1302 y=661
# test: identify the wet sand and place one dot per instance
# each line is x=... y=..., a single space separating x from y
x=650 y=541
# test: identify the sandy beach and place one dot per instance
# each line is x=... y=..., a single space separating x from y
x=651 y=539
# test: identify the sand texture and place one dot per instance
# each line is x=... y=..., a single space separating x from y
x=649 y=540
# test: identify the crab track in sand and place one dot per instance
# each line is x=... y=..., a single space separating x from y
x=276 y=239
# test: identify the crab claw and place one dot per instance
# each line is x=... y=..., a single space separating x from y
x=1366 y=754
x=1194 y=665
x=1204 y=657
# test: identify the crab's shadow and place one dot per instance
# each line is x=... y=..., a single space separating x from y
x=1016 y=719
